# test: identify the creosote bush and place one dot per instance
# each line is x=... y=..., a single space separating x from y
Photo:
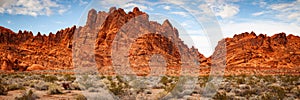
x=80 y=97
x=50 y=78
x=15 y=87
x=3 y=90
x=54 y=89
x=28 y=95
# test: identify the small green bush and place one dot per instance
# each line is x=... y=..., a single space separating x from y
x=116 y=88
x=28 y=95
x=69 y=77
x=18 y=76
x=221 y=96
x=241 y=81
x=164 y=80
x=42 y=85
x=50 y=78
x=279 y=91
x=15 y=87
x=3 y=90
x=54 y=89
x=75 y=86
x=80 y=97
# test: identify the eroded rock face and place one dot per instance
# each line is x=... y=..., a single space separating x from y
x=249 y=51
x=34 y=67
x=143 y=38
x=22 y=49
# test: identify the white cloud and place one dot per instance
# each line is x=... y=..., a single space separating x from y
x=288 y=12
x=205 y=8
x=29 y=7
x=184 y=14
x=293 y=16
x=221 y=8
x=167 y=8
x=64 y=9
x=83 y=2
x=260 y=3
x=130 y=6
x=259 y=26
x=2 y=10
x=8 y=22
x=176 y=2
x=114 y=2
x=258 y=13
x=226 y=10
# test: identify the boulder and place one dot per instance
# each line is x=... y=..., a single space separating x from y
x=34 y=67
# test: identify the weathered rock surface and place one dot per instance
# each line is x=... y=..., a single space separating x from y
x=248 y=51
x=35 y=67
x=141 y=39
x=136 y=38
x=21 y=50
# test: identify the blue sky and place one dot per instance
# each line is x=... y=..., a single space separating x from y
x=189 y=16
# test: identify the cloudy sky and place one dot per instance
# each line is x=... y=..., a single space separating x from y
x=199 y=21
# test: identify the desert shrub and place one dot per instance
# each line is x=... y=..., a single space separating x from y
x=27 y=83
x=270 y=78
x=119 y=78
x=289 y=79
x=164 y=80
x=50 y=78
x=15 y=87
x=69 y=77
x=116 y=88
x=75 y=86
x=3 y=75
x=270 y=96
x=241 y=80
x=252 y=82
x=109 y=78
x=279 y=91
x=221 y=96
x=202 y=80
x=28 y=95
x=18 y=76
x=3 y=90
x=80 y=97
x=54 y=89
x=41 y=85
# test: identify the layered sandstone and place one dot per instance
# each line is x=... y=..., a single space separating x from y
x=23 y=49
x=109 y=37
x=248 y=51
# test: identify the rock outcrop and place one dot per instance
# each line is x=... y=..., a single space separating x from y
x=248 y=51
x=23 y=49
x=140 y=39
x=34 y=67
x=108 y=37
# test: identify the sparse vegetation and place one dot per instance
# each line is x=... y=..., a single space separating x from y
x=232 y=87
x=50 y=78
x=80 y=97
x=69 y=77
x=28 y=95
x=54 y=89
x=3 y=90
x=221 y=96
x=15 y=87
